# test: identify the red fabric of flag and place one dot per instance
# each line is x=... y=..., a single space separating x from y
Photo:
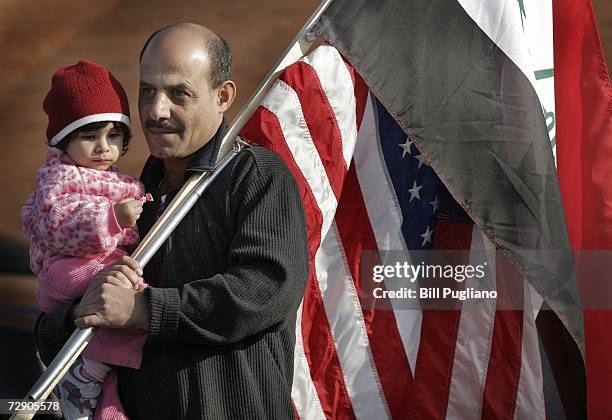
x=584 y=158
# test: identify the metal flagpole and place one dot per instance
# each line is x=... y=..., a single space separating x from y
x=178 y=208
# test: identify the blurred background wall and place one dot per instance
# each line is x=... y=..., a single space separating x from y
x=37 y=37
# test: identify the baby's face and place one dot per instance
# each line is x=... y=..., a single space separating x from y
x=98 y=149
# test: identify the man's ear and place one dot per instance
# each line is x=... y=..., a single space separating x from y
x=226 y=95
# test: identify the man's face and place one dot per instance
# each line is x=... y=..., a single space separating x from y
x=179 y=111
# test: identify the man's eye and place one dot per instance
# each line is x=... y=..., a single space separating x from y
x=114 y=134
x=88 y=137
x=180 y=93
x=147 y=91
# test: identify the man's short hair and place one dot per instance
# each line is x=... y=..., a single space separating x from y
x=218 y=49
x=220 y=59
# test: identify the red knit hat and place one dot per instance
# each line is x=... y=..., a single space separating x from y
x=81 y=94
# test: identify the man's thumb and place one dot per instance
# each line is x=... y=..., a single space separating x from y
x=87 y=321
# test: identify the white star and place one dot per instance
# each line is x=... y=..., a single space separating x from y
x=435 y=204
x=406 y=147
x=414 y=192
x=427 y=236
x=421 y=160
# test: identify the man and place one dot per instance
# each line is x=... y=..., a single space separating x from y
x=224 y=288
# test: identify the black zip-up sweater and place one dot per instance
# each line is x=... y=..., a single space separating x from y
x=224 y=290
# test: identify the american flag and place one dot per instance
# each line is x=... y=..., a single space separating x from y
x=366 y=187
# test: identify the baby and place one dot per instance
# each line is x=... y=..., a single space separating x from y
x=82 y=217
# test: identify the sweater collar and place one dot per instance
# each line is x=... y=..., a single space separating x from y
x=203 y=160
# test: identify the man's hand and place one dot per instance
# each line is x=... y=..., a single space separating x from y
x=114 y=299
x=127 y=211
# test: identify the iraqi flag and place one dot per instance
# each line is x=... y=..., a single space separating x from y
x=428 y=129
x=584 y=160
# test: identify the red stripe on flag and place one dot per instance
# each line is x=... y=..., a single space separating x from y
x=320 y=119
x=439 y=331
x=264 y=129
x=385 y=340
x=583 y=126
x=583 y=103
x=361 y=92
x=567 y=377
x=321 y=353
x=504 y=370
x=295 y=412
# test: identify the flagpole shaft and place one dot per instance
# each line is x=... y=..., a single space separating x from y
x=298 y=48
x=185 y=200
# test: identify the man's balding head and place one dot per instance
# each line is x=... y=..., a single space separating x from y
x=218 y=50
x=184 y=90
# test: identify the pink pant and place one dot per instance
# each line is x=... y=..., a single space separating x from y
x=109 y=405
x=65 y=278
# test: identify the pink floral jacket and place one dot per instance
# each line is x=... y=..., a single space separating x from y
x=70 y=213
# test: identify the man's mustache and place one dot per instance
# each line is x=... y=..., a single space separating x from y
x=163 y=125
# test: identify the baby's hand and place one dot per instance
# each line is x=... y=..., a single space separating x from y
x=127 y=211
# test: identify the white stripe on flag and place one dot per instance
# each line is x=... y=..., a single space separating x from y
x=386 y=220
x=530 y=396
x=303 y=391
x=473 y=343
x=284 y=103
x=348 y=329
x=536 y=302
x=338 y=86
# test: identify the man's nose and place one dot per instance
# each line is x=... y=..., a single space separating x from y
x=160 y=108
